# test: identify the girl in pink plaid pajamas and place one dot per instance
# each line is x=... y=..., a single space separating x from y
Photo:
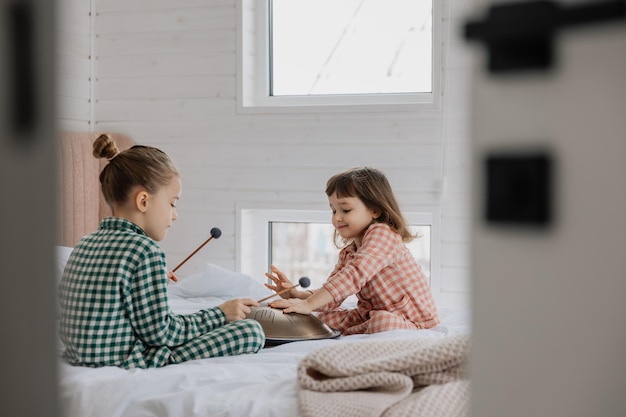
x=374 y=263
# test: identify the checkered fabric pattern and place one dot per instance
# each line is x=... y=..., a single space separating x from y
x=115 y=311
x=392 y=291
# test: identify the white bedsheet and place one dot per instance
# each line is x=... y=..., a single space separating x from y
x=262 y=384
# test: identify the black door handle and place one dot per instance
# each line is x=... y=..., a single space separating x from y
x=520 y=36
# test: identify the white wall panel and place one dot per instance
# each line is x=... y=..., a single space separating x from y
x=163 y=109
x=424 y=157
x=75 y=87
x=455 y=229
x=210 y=65
x=73 y=64
x=293 y=129
x=143 y=5
x=177 y=19
x=70 y=108
x=73 y=19
x=454 y=254
x=456 y=280
x=73 y=125
x=166 y=42
x=73 y=43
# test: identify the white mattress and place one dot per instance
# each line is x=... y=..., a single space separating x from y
x=262 y=384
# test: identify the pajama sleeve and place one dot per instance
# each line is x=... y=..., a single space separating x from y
x=375 y=253
x=146 y=302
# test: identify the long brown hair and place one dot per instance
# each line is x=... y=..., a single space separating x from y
x=139 y=165
x=371 y=187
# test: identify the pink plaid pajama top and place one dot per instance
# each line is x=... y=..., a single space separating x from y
x=392 y=291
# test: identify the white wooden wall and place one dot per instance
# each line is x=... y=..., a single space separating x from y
x=164 y=72
x=74 y=64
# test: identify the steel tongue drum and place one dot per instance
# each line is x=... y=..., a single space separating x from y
x=280 y=327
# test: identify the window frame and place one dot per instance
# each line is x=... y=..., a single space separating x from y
x=253 y=241
x=253 y=84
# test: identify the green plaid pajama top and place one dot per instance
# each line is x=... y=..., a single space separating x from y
x=115 y=311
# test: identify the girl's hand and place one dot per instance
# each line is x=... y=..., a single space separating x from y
x=292 y=305
x=238 y=308
x=172 y=277
x=281 y=282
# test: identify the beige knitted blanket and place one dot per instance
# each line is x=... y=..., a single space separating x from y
x=395 y=378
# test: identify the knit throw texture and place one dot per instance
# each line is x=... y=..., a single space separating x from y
x=395 y=378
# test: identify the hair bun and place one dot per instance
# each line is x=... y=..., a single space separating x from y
x=105 y=147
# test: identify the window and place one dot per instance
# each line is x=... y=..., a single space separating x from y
x=307 y=249
x=299 y=242
x=298 y=54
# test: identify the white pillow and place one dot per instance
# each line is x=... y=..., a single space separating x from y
x=62 y=253
x=219 y=282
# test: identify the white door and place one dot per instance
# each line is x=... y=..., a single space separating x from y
x=27 y=202
x=549 y=276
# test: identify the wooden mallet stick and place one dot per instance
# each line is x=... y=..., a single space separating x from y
x=303 y=282
x=215 y=234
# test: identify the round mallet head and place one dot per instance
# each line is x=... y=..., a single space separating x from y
x=216 y=233
x=302 y=282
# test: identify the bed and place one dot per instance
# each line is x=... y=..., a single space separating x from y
x=349 y=375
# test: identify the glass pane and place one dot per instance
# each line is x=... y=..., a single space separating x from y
x=303 y=249
x=307 y=249
x=351 y=47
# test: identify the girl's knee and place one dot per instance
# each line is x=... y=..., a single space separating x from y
x=382 y=320
x=253 y=326
x=253 y=334
x=341 y=319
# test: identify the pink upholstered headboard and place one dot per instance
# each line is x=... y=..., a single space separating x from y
x=81 y=205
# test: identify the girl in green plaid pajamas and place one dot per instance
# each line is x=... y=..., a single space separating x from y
x=113 y=294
